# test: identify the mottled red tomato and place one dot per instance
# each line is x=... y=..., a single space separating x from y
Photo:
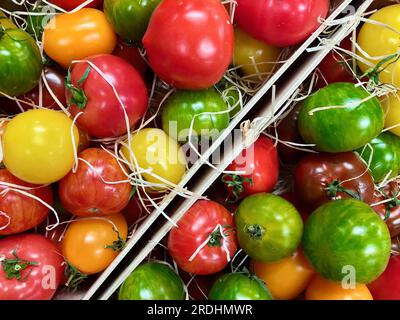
x=95 y=190
x=19 y=212
x=72 y=4
x=130 y=53
x=199 y=226
x=387 y=286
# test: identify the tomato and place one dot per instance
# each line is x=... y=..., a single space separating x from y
x=387 y=286
x=40 y=263
x=261 y=166
x=322 y=289
x=383 y=154
x=189 y=43
x=269 y=228
x=88 y=92
x=319 y=178
x=354 y=117
x=346 y=235
x=75 y=36
x=37 y=146
x=154 y=149
x=391 y=106
x=239 y=286
x=134 y=210
x=19 y=212
x=386 y=43
x=93 y=191
x=6 y=22
x=152 y=281
x=199 y=286
x=90 y=245
x=70 y=5
x=254 y=58
x=130 y=18
x=286 y=279
x=184 y=107
x=131 y=54
x=280 y=23
x=292 y=198
x=200 y=223
x=20 y=62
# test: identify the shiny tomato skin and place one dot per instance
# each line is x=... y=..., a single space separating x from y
x=193 y=229
x=24 y=212
x=315 y=172
x=103 y=116
x=130 y=54
x=280 y=23
x=190 y=43
x=72 y=4
x=49 y=271
x=85 y=193
x=387 y=286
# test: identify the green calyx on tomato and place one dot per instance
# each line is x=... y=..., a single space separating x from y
x=235 y=182
x=374 y=72
x=336 y=186
x=119 y=244
x=13 y=267
x=78 y=96
x=74 y=277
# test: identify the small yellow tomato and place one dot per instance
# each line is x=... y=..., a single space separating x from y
x=391 y=106
x=74 y=36
x=155 y=150
x=250 y=52
x=37 y=146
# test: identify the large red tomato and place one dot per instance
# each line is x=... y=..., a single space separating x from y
x=90 y=93
x=190 y=43
x=387 y=286
x=197 y=225
x=19 y=212
x=280 y=23
x=72 y=4
x=31 y=268
x=91 y=190
x=261 y=164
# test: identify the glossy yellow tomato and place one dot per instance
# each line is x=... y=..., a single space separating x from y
x=74 y=36
x=85 y=241
x=37 y=146
x=391 y=106
x=379 y=41
x=250 y=52
x=322 y=289
x=5 y=22
x=154 y=149
x=286 y=279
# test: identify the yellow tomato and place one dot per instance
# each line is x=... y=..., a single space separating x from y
x=391 y=106
x=5 y=22
x=286 y=279
x=249 y=51
x=321 y=289
x=85 y=242
x=154 y=149
x=74 y=36
x=378 y=41
x=37 y=146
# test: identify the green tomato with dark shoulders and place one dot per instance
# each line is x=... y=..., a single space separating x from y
x=205 y=108
x=239 y=286
x=346 y=237
x=269 y=228
x=152 y=281
x=340 y=117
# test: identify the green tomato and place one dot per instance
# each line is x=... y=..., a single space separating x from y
x=239 y=286
x=182 y=107
x=130 y=17
x=152 y=281
x=20 y=62
x=384 y=156
x=269 y=228
x=347 y=235
x=340 y=129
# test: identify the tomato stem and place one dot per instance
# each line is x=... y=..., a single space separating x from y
x=255 y=231
x=235 y=183
x=373 y=73
x=336 y=186
x=13 y=267
x=395 y=201
x=78 y=96
x=117 y=245
x=75 y=277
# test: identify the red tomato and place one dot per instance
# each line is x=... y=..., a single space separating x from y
x=103 y=115
x=280 y=23
x=41 y=268
x=261 y=164
x=190 y=43
x=130 y=54
x=72 y=4
x=19 y=211
x=387 y=286
x=196 y=226
x=85 y=193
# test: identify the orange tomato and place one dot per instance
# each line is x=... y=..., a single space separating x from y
x=322 y=289
x=75 y=36
x=85 y=241
x=286 y=278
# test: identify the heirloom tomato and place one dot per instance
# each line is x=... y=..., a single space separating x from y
x=70 y=5
x=391 y=106
x=387 y=286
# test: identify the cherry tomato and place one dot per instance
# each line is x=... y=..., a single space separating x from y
x=200 y=223
x=387 y=286
x=75 y=36
x=37 y=146
x=40 y=267
x=72 y=4
x=131 y=54
x=90 y=245
x=190 y=43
